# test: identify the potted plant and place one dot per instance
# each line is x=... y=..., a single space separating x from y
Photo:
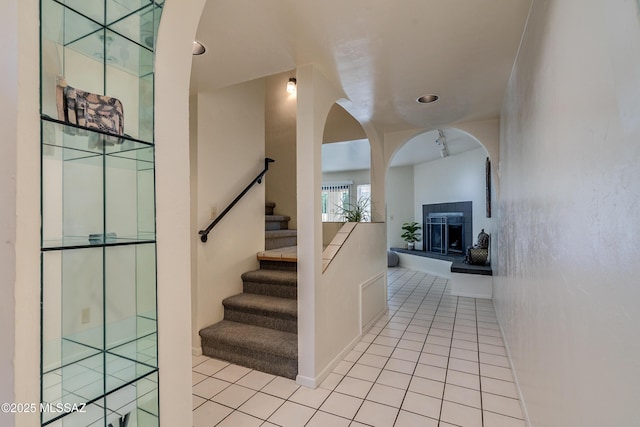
x=411 y=234
x=356 y=212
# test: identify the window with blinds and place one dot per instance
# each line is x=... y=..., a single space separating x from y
x=335 y=198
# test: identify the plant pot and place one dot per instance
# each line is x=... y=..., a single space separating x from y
x=411 y=246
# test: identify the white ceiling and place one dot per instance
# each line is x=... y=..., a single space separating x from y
x=383 y=53
x=355 y=155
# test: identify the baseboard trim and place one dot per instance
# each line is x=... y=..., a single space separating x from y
x=363 y=286
x=366 y=328
x=523 y=407
x=315 y=382
x=306 y=381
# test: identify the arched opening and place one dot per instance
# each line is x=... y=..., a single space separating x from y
x=346 y=173
x=439 y=171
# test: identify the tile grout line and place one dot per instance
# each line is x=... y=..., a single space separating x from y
x=423 y=344
x=396 y=346
x=354 y=363
x=404 y=310
x=446 y=373
x=475 y=304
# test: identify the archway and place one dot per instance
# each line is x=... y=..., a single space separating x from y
x=346 y=172
x=438 y=167
x=173 y=70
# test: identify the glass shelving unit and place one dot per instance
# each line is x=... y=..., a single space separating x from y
x=99 y=327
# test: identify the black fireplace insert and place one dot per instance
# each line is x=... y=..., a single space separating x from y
x=447 y=228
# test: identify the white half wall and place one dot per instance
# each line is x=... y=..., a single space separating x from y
x=351 y=293
x=230 y=154
x=457 y=178
x=437 y=267
x=566 y=288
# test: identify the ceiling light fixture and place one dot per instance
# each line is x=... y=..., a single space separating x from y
x=442 y=143
x=291 y=85
x=427 y=99
x=198 y=48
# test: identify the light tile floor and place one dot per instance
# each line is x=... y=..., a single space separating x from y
x=433 y=360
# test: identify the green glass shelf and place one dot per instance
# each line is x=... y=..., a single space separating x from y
x=100 y=186
x=99 y=342
x=97 y=301
x=101 y=60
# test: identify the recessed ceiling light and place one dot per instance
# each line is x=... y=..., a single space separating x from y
x=198 y=48
x=426 y=99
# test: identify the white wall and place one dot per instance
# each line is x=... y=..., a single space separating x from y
x=457 y=178
x=352 y=286
x=230 y=154
x=316 y=95
x=173 y=204
x=566 y=280
x=400 y=206
x=280 y=145
x=20 y=209
x=8 y=170
x=195 y=227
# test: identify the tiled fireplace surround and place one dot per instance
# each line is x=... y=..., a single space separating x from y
x=465 y=207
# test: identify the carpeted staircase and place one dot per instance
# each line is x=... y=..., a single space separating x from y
x=260 y=325
x=277 y=234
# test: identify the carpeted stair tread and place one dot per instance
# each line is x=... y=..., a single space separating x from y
x=277 y=282
x=265 y=305
x=253 y=338
x=260 y=325
x=280 y=233
x=275 y=277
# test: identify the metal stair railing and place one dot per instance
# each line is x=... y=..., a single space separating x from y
x=257 y=180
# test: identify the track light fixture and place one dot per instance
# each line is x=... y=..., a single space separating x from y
x=442 y=143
